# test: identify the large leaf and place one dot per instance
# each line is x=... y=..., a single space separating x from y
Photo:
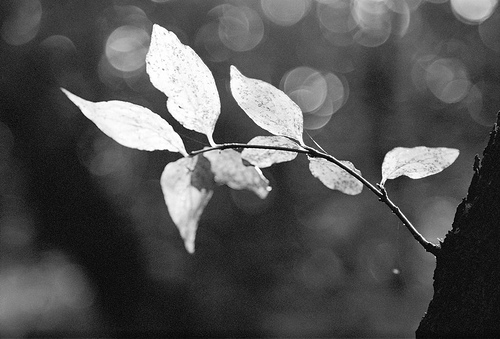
x=267 y=106
x=176 y=70
x=130 y=125
x=228 y=169
x=266 y=157
x=187 y=186
x=417 y=162
x=334 y=177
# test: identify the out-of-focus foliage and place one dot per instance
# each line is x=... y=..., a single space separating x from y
x=87 y=245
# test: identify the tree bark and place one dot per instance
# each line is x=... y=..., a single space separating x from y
x=466 y=300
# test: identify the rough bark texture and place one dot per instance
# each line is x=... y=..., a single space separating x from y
x=466 y=300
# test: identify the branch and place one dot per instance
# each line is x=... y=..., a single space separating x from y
x=378 y=190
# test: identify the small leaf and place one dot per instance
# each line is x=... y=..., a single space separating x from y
x=177 y=71
x=228 y=169
x=334 y=177
x=417 y=162
x=267 y=106
x=187 y=186
x=131 y=125
x=266 y=157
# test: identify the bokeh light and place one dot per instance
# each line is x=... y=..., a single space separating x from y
x=488 y=31
x=448 y=80
x=59 y=45
x=208 y=38
x=123 y=60
x=335 y=16
x=240 y=28
x=23 y=24
x=285 y=12
x=126 y=48
x=318 y=95
x=473 y=11
x=374 y=22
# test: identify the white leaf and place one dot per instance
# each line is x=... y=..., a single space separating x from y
x=176 y=70
x=334 y=177
x=266 y=157
x=267 y=106
x=187 y=188
x=131 y=125
x=228 y=169
x=417 y=162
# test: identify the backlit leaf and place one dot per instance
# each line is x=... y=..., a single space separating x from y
x=267 y=106
x=417 y=162
x=176 y=70
x=187 y=186
x=131 y=125
x=266 y=157
x=228 y=169
x=334 y=177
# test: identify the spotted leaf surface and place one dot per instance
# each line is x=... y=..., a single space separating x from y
x=334 y=177
x=417 y=162
x=228 y=169
x=267 y=106
x=176 y=70
x=266 y=157
x=187 y=186
x=131 y=125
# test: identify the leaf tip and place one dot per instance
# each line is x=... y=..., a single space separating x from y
x=233 y=71
x=67 y=93
x=189 y=245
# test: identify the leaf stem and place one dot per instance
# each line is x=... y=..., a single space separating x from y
x=427 y=245
x=378 y=190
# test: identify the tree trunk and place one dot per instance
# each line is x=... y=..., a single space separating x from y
x=466 y=300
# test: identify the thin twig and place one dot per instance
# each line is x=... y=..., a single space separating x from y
x=378 y=190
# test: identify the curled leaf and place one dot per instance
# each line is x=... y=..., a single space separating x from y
x=266 y=157
x=176 y=70
x=187 y=186
x=417 y=162
x=228 y=169
x=131 y=125
x=334 y=177
x=267 y=106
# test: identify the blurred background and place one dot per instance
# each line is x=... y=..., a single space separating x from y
x=87 y=247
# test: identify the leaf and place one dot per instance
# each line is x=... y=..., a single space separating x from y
x=266 y=157
x=177 y=71
x=267 y=106
x=228 y=169
x=131 y=125
x=187 y=186
x=417 y=162
x=334 y=177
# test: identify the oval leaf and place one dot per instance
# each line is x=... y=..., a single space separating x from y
x=176 y=70
x=131 y=125
x=267 y=106
x=266 y=157
x=334 y=177
x=228 y=169
x=187 y=186
x=417 y=162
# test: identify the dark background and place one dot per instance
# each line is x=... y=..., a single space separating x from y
x=86 y=243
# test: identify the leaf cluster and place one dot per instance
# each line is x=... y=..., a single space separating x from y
x=192 y=99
